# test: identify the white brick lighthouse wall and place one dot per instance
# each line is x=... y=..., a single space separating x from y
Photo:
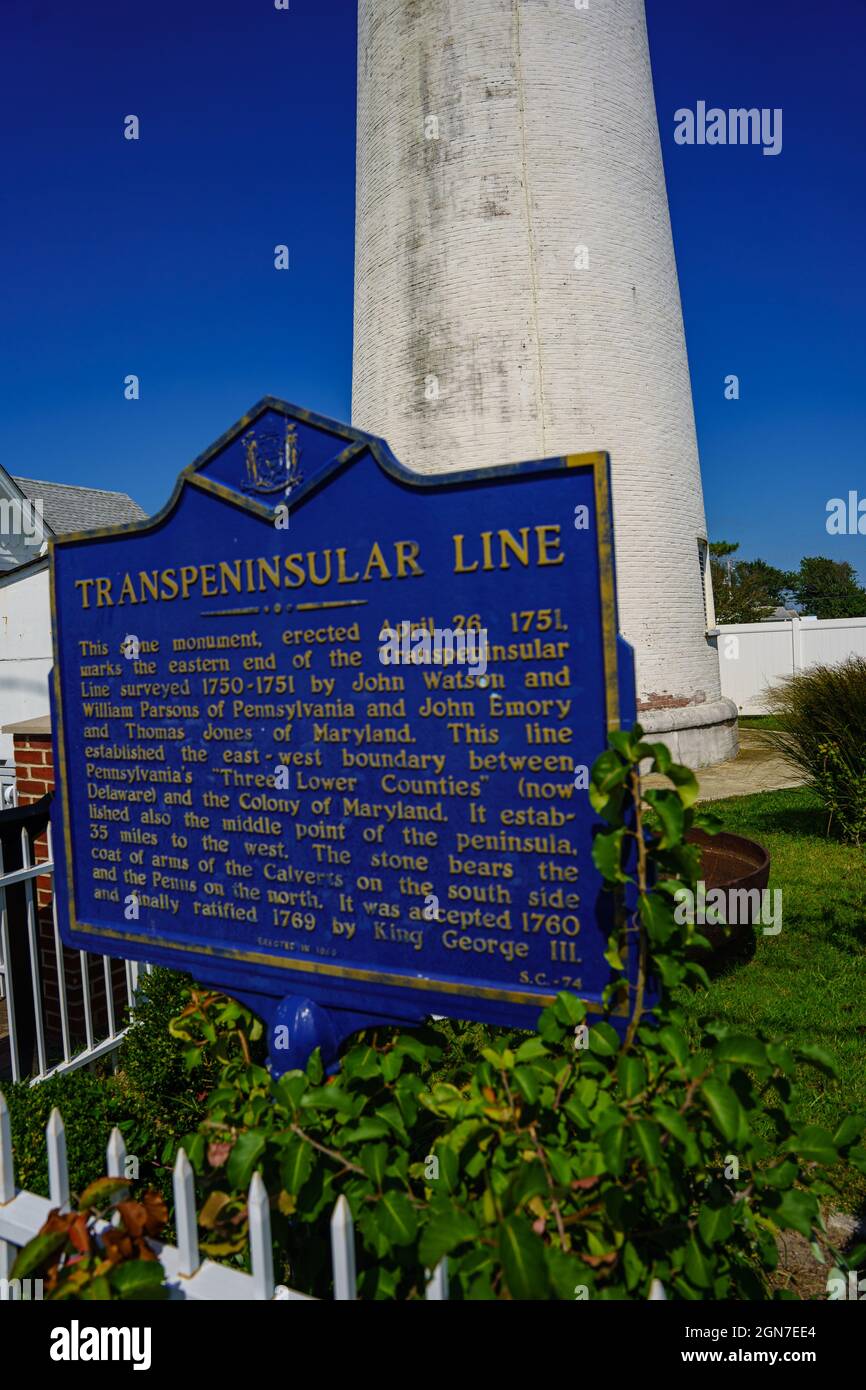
x=496 y=140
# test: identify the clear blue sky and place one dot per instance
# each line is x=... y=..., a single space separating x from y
x=156 y=257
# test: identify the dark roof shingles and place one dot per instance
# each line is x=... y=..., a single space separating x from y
x=68 y=508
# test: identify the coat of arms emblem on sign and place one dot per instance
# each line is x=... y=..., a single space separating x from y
x=271 y=463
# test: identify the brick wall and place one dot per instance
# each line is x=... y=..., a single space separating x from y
x=34 y=763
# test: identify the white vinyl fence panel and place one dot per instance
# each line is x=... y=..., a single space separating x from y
x=754 y=656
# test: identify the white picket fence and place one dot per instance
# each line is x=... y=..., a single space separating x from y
x=754 y=656
x=187 y=1275
x=95 y=1044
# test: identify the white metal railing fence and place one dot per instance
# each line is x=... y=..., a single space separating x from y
x=187 y=1275
x=53 y=1054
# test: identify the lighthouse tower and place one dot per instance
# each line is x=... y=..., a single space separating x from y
x=516 y=293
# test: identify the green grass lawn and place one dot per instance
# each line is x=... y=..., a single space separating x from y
x=758 y=721
x=809 y=982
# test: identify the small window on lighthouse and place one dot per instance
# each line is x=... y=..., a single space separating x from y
x=706 y=583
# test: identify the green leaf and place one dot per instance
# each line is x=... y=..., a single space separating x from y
x=607 y=855
x=550 y=1030
x=443 y=1234
x=797 y=1211
x=671 y=971
x=194 y=1145
x=35 y=1253
x=675 y=1045
x=657 y=916
x=101 y=1191
x=670 y=811
x=246 y=1152
x=569 y=1009
x=361 y=1061
x=715 y=1223
x=723 y=1105
x=416 y=1049
x=648 y=1141
x=577 y=1113
x=603 y=1040
x=781 y=1175
x=854 y=1258
x=560 y=1166
x=291 y=1086
x=607 y=804
x=685 y=782
x=696 y=969
x=632 y=1075
x=296 y=1165
x=139 y=1279
x=608 y=771
x=523 y=1262
x=368 y=1127
x=528 y=1083
x=614 y=1144
x=850 y=1129
x=613 y=954
x=328 y=1098
x=397 y=1217
x=662 y=758
x=697 y=1266
x=373 y=1158
x=449 y=1163
x=815 y=1145
x=744 y=1051
x=625 y=743
x=633 y=1265
x=392 y=1065
x=781 y=1057
x=500 y=1061
x=98 y=1290
x=391 y=1113
x=819 y=1057
x=673 y=1122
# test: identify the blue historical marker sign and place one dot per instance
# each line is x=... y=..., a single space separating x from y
x=322 y=727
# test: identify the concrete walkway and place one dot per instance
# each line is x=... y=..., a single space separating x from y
x=755 y=769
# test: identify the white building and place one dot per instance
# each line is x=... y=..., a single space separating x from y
x=30 y=513
x=516 y=293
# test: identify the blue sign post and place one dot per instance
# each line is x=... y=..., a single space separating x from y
x=322 y=729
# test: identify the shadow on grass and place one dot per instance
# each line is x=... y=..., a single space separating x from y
x=845 y=931
x=728 y=958
x=808 y=822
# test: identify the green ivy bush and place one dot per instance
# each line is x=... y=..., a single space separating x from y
x=153 y=1098
x=575 y=1162
x=161 y=1094
x=90 y=1107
